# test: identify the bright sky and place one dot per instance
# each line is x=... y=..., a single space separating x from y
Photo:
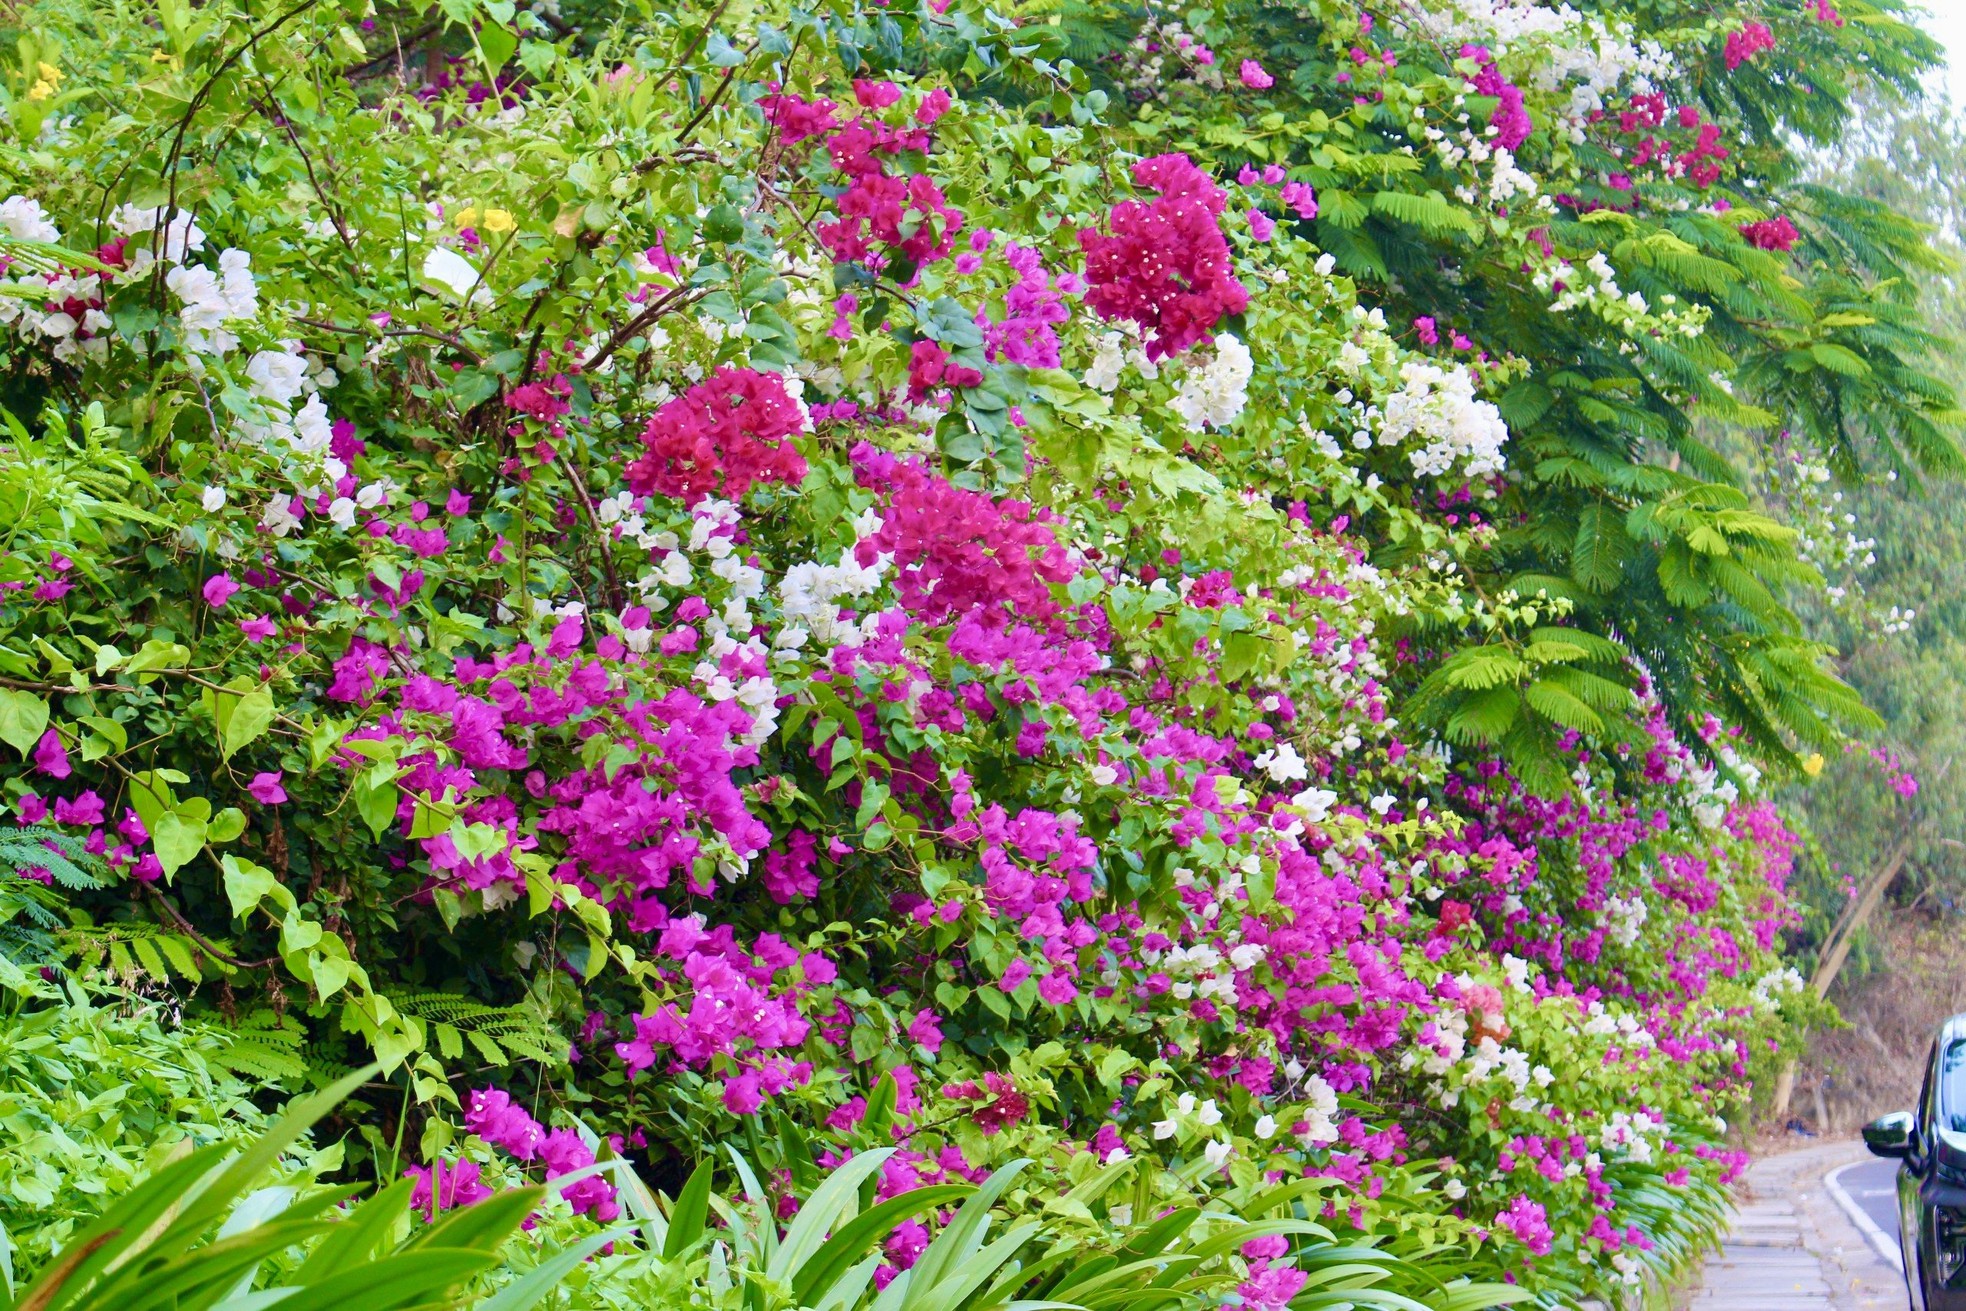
x=1946 y=20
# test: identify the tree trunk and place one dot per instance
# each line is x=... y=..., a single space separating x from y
x=1836 y=948
x=1778 y=1103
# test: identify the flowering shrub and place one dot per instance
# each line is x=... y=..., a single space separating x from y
x=677 y=590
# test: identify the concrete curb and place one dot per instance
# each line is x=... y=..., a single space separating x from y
x=1865 y=1225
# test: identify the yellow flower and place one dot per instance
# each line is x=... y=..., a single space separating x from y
x=493 y=221
x=1814 y=764
x=50 y=78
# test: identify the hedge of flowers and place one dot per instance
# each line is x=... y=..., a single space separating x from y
x=680 y=583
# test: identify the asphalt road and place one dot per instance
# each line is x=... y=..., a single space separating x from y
x=1870 y=1185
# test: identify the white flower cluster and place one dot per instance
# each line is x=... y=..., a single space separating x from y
x=1602 y=296
x=1315 y=803
x=1214 y=393
x=1199 y=970
x=1439 y=407
x=277 y=379
x=810 y=592
x=1711 y=794
x=1320 y=1113
x=1441 y=1047
x=1190 y=1117
x=1115 y=351
x=1562 y=47
x=1602 y=1023
x=1282 y=763
x=1778 y=982
x=172 y=238
x=47 y=315
x=744 y=583
x=1162 y=52
x=1491 y=1060
x=23 y=219
x=1826 y=537
x=1631 y=1132
x=1516 y=970
x=212 y=301
x=1506 y=181
x=1624 y=917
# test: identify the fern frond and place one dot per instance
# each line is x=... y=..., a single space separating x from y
x=39 y=847
x=497 y=1033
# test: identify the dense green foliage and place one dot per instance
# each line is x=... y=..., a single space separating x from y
x=1152 y=627
x=1892 y=550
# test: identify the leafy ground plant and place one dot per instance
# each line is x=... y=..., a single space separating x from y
x=205 y=1232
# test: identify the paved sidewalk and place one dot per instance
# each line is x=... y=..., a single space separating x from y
x=1793 y=1249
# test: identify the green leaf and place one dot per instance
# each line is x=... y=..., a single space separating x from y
x=823 y=1213
x=393 y=1281
x=176 y=840
x=1241 y=653
x=723 y=224
x=246 y=884
x=226 y=825
x=1597 y=555
x=153 y=655
x=151 y=796
x=496 y=43
x=243 y=719
x=528 y=1290
x=23 y=719
x=375 y=793
x=1482 y=667
x=1554 y=701
x=1524 y=403
x=690 y=1213
x=1484 y=717
x=1839 y=359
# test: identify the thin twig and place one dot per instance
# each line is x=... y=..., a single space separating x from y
x=600 y=532
x=627 y=330
x=205 y=944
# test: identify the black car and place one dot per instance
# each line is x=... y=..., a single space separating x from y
x=1931 y=1143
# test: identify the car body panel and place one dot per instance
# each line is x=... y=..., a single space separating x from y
x=1930 y=1145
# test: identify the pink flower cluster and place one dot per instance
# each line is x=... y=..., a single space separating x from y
x=124 y=851
x=1699 y=162
x=882 y=216
x=1772 y=234
x=444 y=1187
x=743 y=1006
x=1511 y=119
x=1165 y=264
x=1745 y=44
x=724 y=435
x=1033 y=310
x=1530 y=1223
x=493 y=1116
x=623 y=832
x=956 y=551
x=930 y=369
